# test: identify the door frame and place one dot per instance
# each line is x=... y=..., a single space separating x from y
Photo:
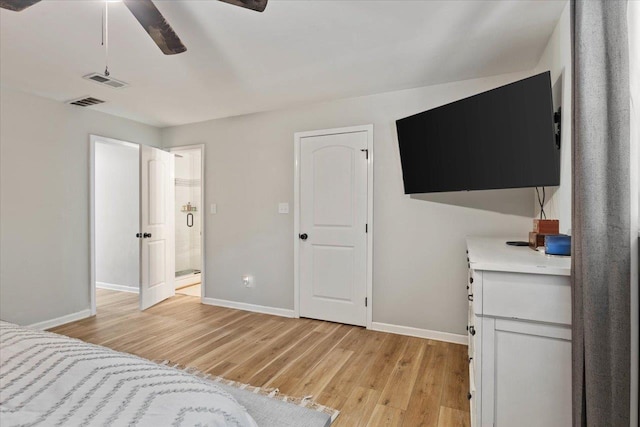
x=202 y=210
x=93 y=140
x=296 y=218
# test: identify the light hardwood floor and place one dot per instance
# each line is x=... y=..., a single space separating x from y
x=373 y=378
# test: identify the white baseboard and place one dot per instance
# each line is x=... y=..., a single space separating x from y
x=420 y=333
x=283 y=312
x=52 y=323
x=119 y=288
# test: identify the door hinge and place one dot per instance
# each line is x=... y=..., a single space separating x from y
x=365 y=302
x=366 y=152
x=366 y=228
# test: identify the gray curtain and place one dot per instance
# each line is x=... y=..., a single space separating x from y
x=601 y=270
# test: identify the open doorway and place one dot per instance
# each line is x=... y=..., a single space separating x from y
x=189 y=197
x=133 y=214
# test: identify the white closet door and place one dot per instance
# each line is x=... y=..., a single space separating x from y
x=333 y=221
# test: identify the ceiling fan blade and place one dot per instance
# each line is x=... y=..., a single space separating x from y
x=17 y=5
x=257 y=5
x=154 y=23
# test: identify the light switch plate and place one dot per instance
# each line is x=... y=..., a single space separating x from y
x=214 y=209
x=283 y=208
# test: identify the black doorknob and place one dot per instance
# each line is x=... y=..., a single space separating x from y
x=139 y=235
x=146 y=235
x=303 y=236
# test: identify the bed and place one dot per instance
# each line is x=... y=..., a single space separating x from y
x=52 y=380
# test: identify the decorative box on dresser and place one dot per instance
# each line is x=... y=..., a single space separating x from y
x=519 y=336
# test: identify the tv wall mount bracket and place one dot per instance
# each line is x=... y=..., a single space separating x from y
x=557 y=120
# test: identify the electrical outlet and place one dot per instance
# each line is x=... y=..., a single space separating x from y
x=246 y=281
x=283 y=208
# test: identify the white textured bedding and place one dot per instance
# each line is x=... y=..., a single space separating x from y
x=52 y=380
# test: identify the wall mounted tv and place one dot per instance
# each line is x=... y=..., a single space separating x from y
x=503 y=138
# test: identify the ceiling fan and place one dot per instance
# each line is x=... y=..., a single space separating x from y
x=150 y=18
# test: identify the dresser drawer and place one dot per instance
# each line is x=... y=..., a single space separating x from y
x=537 y=297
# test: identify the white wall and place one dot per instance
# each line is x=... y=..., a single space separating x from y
x=117 y=198
x=557 y=58
x=419 y=246
x=44 y=203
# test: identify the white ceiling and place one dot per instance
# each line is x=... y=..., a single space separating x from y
x=239 y=61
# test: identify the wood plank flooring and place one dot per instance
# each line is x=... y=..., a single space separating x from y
x=373 y=378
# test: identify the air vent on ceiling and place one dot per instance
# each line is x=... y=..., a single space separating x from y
x=85 y=101
x=106 y=80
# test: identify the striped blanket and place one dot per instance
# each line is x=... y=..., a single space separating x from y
x=51 y=380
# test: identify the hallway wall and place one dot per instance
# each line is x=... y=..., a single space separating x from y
x=117 y=199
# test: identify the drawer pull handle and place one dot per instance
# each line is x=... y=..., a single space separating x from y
x=470 y=297
x=469 y=396
x=470 y=359
x=471 y=280
x=472 y=330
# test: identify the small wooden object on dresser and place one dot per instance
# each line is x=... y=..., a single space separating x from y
x=519 y=336
x=546 y=226
x=542 y=228
x=536 y=239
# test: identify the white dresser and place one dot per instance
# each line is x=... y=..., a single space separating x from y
x=519 y=336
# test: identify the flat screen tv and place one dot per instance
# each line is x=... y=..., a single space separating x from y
x=503 y=138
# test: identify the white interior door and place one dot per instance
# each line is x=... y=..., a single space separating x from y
x=333 y=220
x=157 y=225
